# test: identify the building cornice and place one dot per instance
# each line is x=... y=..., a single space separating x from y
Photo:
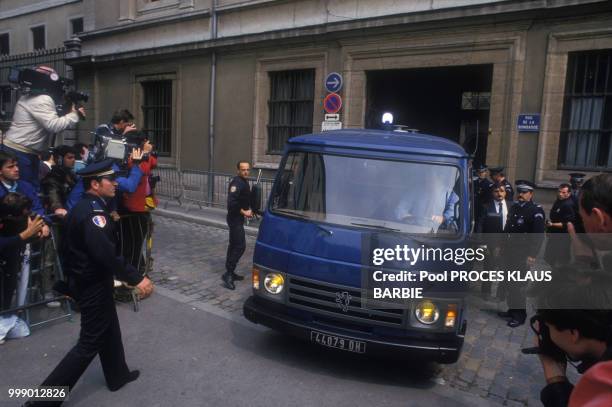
x=139 y=25
x=308 y=33
x=35 y=8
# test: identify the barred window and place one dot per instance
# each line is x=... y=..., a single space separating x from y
x=587 y=112
x=476 y=101
x=291 y=106
x=157 y=114
x=4 y=44
x=39 y=40
x=76 y=25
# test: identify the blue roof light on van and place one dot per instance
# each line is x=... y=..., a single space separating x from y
x=392 y=141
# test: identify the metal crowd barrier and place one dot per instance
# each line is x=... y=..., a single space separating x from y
x=43 y=257
x=39 y=260
x=192 y=186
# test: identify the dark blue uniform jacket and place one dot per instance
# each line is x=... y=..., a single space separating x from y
x=90 y=248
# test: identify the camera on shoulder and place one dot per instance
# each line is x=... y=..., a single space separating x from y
x=45 y=81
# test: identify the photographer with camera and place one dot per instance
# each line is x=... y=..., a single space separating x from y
x=36 y=118
x=121 y=123
x=574 y=322
x=136 y=205
x=58 y=183
x=16 y=227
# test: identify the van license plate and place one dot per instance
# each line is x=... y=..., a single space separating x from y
x=337 y=342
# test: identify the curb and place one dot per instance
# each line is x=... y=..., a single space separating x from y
x=248 y=230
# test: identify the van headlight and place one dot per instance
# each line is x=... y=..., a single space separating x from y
x=274 y=283
x=427 y=312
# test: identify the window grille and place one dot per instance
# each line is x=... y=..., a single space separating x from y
x=157 y=114
x=38 y=38
x=291 y=106
x=475 y=100
x=4 y=44
x=587 y=112
x=76 y=25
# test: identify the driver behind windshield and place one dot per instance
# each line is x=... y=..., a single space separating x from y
x=435 y=206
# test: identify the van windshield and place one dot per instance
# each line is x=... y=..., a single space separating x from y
x=412 y=197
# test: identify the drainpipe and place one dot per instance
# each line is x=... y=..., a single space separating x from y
x=211 y=102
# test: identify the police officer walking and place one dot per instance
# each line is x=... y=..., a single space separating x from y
x=238 y=208
x=525 y=217
x=91 y=262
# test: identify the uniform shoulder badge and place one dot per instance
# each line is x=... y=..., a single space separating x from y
x=233 y=188
x=99 y=221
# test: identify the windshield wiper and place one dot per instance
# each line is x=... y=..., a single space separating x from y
x=291 y=213
x=374 y=226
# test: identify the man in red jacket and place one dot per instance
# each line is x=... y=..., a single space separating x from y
x=136 y=220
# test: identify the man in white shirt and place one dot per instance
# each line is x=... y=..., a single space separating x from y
x=34 y=121
x=492 y=222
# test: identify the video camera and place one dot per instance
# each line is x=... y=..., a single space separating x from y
x=110 y=145
x=39 y=81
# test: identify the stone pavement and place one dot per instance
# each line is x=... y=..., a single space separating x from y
x=189 y=259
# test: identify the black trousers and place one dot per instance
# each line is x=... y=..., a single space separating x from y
x=100 y=335
x=134 y=228
x=10 y=266
x=237 y=243
x=516 y=298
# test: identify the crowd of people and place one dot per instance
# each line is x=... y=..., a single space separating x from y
x=89 y=200
x=573 y=319
x=519 y=226
x=59 y=188
x=84 y=201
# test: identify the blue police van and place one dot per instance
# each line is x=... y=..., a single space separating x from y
x=336 y=196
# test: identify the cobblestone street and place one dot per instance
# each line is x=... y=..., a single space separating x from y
x=189 y=259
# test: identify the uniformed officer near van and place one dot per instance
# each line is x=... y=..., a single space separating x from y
x=91 y=262
x=525 y=218
x=576 y=180
x=238 y=208
x=562 y=212
x=499 y=177
x=483 y=187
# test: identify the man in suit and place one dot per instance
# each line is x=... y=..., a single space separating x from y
x=493 y=222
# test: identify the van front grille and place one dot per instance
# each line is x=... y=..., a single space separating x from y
x=338 y=301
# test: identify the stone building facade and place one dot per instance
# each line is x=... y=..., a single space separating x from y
x=462 y=69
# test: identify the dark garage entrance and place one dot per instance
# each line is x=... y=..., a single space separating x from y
x=450 y=102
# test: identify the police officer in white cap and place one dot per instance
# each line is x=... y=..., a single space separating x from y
x=524 y=219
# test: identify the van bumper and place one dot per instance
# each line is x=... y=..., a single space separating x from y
x=442 y=348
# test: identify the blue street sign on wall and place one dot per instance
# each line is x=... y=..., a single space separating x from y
x=529 y=122
x=333 y=82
